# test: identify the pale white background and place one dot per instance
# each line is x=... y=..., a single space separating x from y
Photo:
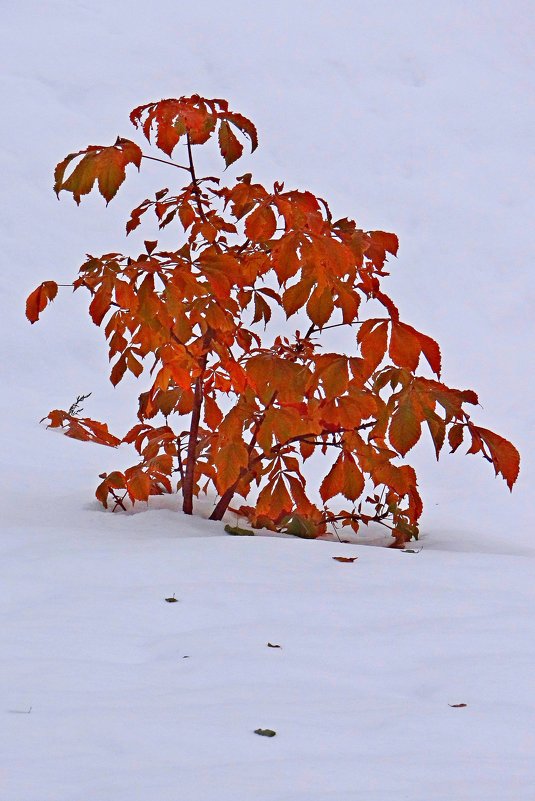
x=410 y=117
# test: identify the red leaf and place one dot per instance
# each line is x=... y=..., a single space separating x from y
x=455 y=437
x=505 y=457
x=231 y=148
x=39 y=299
x=381 y=242
x=100 y=304
x=106 y=165
x=245 y=125
x=118 y=370
x=387 y=241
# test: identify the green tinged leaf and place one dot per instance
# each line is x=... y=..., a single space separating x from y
x=236 y=531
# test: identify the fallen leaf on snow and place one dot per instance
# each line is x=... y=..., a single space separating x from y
x=265 y=732
x=239 y=532
x=345 y=558
x=457 y=706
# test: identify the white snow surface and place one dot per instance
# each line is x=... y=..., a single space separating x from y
x=411 y=117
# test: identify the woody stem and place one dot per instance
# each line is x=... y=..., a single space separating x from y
x=195 y=181
x=224 y=501
x=187 y=485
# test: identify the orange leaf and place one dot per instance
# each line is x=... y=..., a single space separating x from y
x=114 y=480
x=212 y=413
x=372 y=338
x=381 y=242
x=286 y=258
x=281 y=503
x=405 y=346
x=348 y=301
x=229 y=461
x=138 y=485
x=187 y=215
x=261 y=224
x=431 y=351
x=125 y=296
x=39 y=299
x=405 y=426
x=320 y=306
x=133 y=364
x=274 y=501
x=333 y=482
x=269 y=375
x=332 y=370
x=295 y=297
x=345 y=558
x=353 y=480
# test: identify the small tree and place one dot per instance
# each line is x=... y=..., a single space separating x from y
x=230 y=411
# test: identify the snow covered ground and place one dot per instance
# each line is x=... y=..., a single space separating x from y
x=409 y=116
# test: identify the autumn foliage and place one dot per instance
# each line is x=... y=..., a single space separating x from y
x=227 y=410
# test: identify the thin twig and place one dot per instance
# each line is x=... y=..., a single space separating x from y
x=170 y=163
x=195 y=183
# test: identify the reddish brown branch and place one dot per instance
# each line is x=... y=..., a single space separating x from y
x=196 y=188
x=187 y=484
